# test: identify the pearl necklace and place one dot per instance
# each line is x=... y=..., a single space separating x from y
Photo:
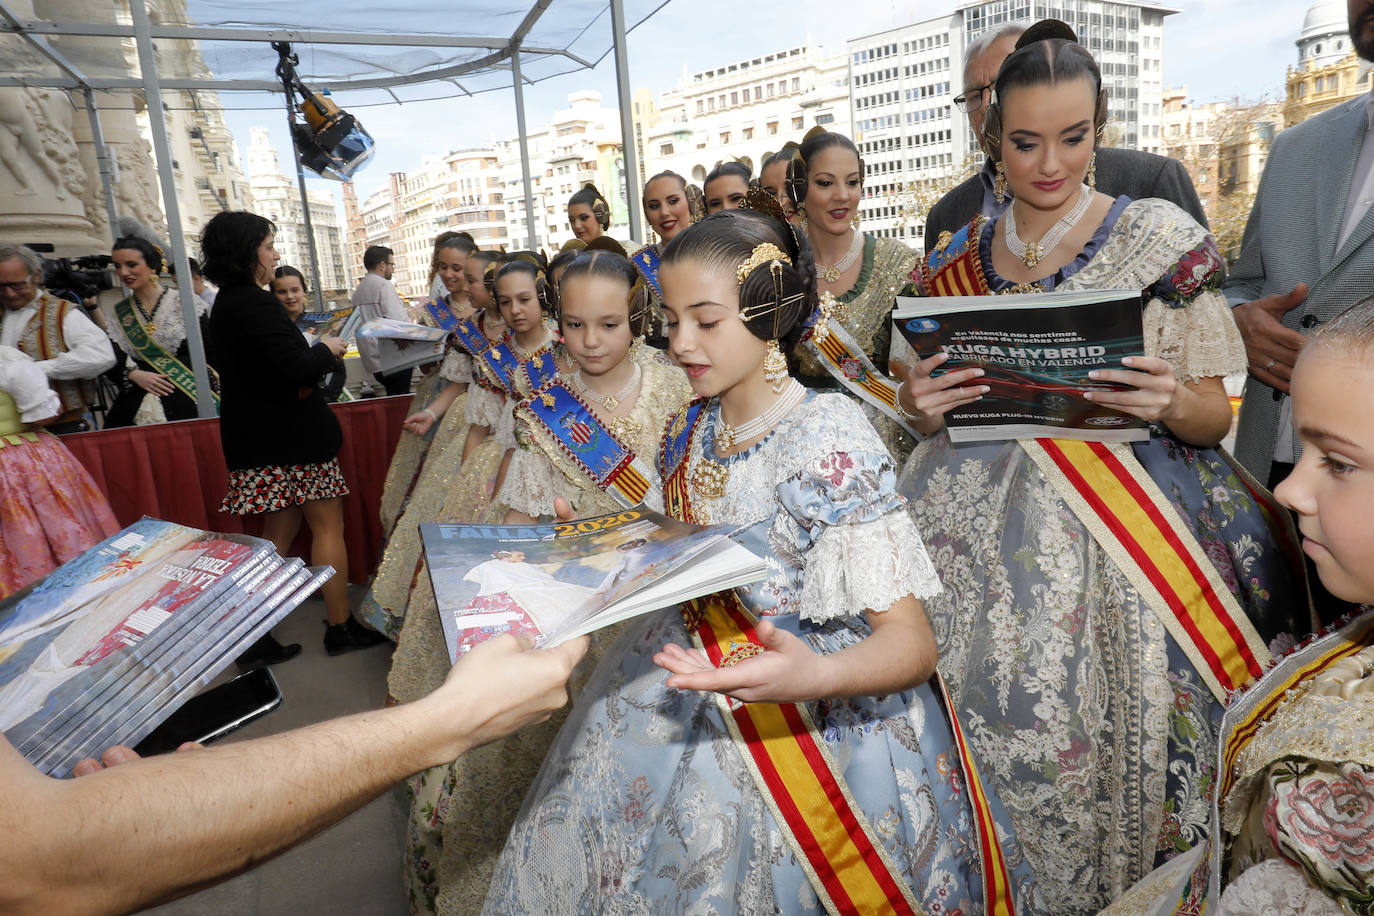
x=833 y=273
x=608 y=401
x=727 y=436
x=1032 y=253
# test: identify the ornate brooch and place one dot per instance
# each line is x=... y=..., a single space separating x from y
x=708 y=479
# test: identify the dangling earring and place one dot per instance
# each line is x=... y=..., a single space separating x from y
x=775 y=368
x=1092 y=171
x=999 y=186
x=855 y=219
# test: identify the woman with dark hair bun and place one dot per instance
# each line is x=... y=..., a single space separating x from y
x=281 y=440
x=148 y=327
x=1094 y=684
x=661 y=796
x=589 y=215
x=859 y=278
x=726 y=186
x=773 y=178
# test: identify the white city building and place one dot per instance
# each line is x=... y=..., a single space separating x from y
x=277 y=197
x=746 y=110
x=903 y=83
x=579 y=145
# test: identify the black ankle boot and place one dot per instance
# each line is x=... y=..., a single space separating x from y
x=349 y=635
x=267 y=651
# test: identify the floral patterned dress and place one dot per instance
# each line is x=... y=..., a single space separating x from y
x=460 y=814
x=645 y=804
x=1098 y=732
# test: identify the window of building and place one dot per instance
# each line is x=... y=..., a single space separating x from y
x=666 y=149
x=701 y=106
x=770 y=90
x=773 y=127
x=734 y=98
x=821 y=119
x=725 y=138
x=748 y=133
x=797 y=123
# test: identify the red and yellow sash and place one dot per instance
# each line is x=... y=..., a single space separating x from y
x=1130 y=518
x=847 y=363
x=796 y=774
x=1137 y=526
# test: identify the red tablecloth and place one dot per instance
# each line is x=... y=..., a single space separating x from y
x=175 y=471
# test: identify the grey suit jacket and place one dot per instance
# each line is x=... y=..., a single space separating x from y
x=1290 y=238
x=1119 y=171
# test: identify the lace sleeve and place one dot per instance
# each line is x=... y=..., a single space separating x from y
x=900 y=351
x=862 y=548
x=1200 y=339
x=1275 y=886
x=483 y=407
x=457 y=367
x=868 y=566
x=532 y=484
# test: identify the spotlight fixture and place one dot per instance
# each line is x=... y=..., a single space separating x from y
x=330 y=141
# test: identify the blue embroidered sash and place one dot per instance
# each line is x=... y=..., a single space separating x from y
x=647 y=260
x=587 y=442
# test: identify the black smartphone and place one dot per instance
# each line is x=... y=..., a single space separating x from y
x=216 y=712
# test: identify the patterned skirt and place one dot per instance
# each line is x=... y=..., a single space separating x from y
x=50 y=509
x=254 y=491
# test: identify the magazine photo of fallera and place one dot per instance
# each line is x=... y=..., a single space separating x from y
x=1036 y=351
x=557 y=581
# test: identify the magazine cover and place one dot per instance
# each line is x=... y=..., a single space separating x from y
x=104 y=696
x=1036 y=351
x=401 y=343
x=554 y=582
x=161 y=591
x=340 y=322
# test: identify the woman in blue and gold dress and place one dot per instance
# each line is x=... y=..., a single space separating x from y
x=1100 y=600
x=660 y=799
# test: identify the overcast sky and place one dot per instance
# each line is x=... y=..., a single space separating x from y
x=1218 y=49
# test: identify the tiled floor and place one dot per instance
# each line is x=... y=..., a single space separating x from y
x=354 y=867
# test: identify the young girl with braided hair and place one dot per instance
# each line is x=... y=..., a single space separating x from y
x=662 y=795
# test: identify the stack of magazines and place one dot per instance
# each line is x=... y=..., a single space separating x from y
x=404 y=344
x=340 y=322
x=555 y=582
x=107 y=646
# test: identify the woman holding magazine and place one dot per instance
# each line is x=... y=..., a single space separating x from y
x=617 y=402
x=281 y=440
x=1100 y=601
x=649 y=799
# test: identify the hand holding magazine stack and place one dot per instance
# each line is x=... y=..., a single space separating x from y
x=559 y=581
x=402 y=344
x=107 y=646
x=1036 y=351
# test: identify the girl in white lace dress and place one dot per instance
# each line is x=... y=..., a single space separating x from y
x=649 y=800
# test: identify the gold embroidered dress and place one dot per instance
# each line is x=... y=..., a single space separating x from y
x=865 y=311
x=461 y=813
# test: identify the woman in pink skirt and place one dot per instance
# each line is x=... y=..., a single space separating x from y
x=50 y=509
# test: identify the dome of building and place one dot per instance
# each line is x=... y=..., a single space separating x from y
x=1325 y=34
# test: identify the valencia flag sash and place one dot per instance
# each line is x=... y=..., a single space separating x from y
x=847 y=363
x=1137 y=526
x=441 y=315
x=954 y=267
x=561 y=420
x=470 y=335
x=799 y=779
x=152 y=353
x=509 y=374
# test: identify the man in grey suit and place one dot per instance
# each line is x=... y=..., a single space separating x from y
x=1307 y=255
x=1119 y=171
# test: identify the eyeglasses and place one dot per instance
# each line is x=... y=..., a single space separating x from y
x=16 y=287
x=973 y=98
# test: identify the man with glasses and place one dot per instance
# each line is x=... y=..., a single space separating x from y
x=55 y=333
x=1119 y=171
x=375 y=297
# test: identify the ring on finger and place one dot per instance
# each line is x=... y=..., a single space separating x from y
x=1269 y=365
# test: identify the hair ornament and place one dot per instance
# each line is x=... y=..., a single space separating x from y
x=763 y=253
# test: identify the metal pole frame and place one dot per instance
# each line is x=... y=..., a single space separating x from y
x=157 y=121
x=289 y=63
x=105 y=164
x=627 y=134
x=532 y=236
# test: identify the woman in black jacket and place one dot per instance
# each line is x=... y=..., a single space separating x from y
x=281 y=440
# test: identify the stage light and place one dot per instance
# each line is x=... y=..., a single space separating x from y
x=330 y=142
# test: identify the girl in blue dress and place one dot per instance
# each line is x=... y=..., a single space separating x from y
x=672 y=795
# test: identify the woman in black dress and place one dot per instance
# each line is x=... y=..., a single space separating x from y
x=150 y=331
x=281 y=440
